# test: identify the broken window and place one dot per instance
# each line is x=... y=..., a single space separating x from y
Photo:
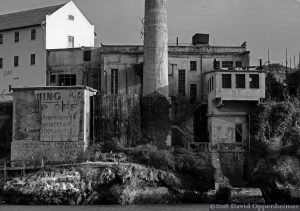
x=87 y=55
x=254 y=81
x=239 y=133
x=227 y=64
x=53 y=79
x=238 y=64
x=181 y=82
x=226 y=81
x=67 y=80
x=240 y=81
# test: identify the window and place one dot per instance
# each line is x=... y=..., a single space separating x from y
x=67 y=80
x=87 y=55
x=126 y=83
x=105 y=81
x=32 y=59
x=181 y=82
x=70 y=42
x=239 y=133
x=1 y=62
x=193 y=93
x=254 y=81
x=238 y=64
x=193 y=65
x=16 y=61
x=226 y=80
x=1 y=39
x=71 y=17
x=216 y=64
x=114 y=85
x=53 y=79
x=33 y=34
x=17 y=37
x=227 y=64
x=240 y=81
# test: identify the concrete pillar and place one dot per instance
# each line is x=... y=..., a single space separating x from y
x=155 y=75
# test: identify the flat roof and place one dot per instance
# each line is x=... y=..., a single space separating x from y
x=53 y=88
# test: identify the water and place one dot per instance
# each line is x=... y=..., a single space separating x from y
x=107 y=208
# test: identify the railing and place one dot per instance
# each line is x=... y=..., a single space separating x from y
x=21 y=165
x=220 y=147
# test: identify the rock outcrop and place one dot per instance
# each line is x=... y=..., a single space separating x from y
x=94 y=183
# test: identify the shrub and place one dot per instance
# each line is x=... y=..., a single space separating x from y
x=112 y=145
x=152 y=156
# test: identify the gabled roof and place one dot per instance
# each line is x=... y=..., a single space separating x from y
x=26 y=18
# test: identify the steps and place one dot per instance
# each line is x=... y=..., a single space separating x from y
x=215 y=159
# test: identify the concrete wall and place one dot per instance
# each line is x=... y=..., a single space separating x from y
x=25 y=74
x=58 y=28
x=52 y=122
x=124 y=58
x=71 y=61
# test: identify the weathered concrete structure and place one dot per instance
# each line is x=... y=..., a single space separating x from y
x=155 y=75
x=75 y=66
x=231 y=95
x=51 y=122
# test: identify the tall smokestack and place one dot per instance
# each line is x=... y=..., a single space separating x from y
x=155 y=76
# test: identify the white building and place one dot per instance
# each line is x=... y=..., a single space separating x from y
x=25 y=37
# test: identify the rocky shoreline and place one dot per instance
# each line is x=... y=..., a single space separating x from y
x=97 y=183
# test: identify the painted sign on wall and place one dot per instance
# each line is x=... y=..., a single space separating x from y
x=60 y=114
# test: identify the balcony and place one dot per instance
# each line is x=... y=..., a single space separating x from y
x=235 y=86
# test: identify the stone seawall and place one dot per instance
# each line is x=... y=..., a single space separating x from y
x=52 y=151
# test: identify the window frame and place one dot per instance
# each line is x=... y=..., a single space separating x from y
x=32 y=59
x=71 y=78
x=16 y=61
x=52 y=79
x=72 y=41
x=1 y=38
x=114 y=81
x=253 y=85
x=87 y=55
x=225 y=83
x=17 y=37
x=238 y=64
x=181 y=82
x=1 y=63
x=193 y=66
x=225 y=64
x=238 y=83
x=33 y=34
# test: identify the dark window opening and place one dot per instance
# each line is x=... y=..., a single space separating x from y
x=17 y=37
x=126 y=83
x=114 y=85
x=1 y=62
x=238 y=64
x=16 y=61
x=216 y=64
x=193 y=65
x=105 y=82
x=227 y=64
x=240 y=81
x=1 y=39
x=239 y=133
x=53 y=79
x=226 y=81
x=87 y=55
x=71 y=17
x=33 y=34
x=32 y=59
x=181 y=82
x=254 y=81
x=193 y=93
x=67 y=80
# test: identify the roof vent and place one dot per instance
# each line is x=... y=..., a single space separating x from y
x=201 y=39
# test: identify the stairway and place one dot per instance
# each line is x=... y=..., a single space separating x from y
x=215 y=159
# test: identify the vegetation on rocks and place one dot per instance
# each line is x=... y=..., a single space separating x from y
x=275 y=144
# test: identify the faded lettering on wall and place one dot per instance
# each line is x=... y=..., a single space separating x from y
x=60 y=112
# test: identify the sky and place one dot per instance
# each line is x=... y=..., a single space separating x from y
x=264 y=24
